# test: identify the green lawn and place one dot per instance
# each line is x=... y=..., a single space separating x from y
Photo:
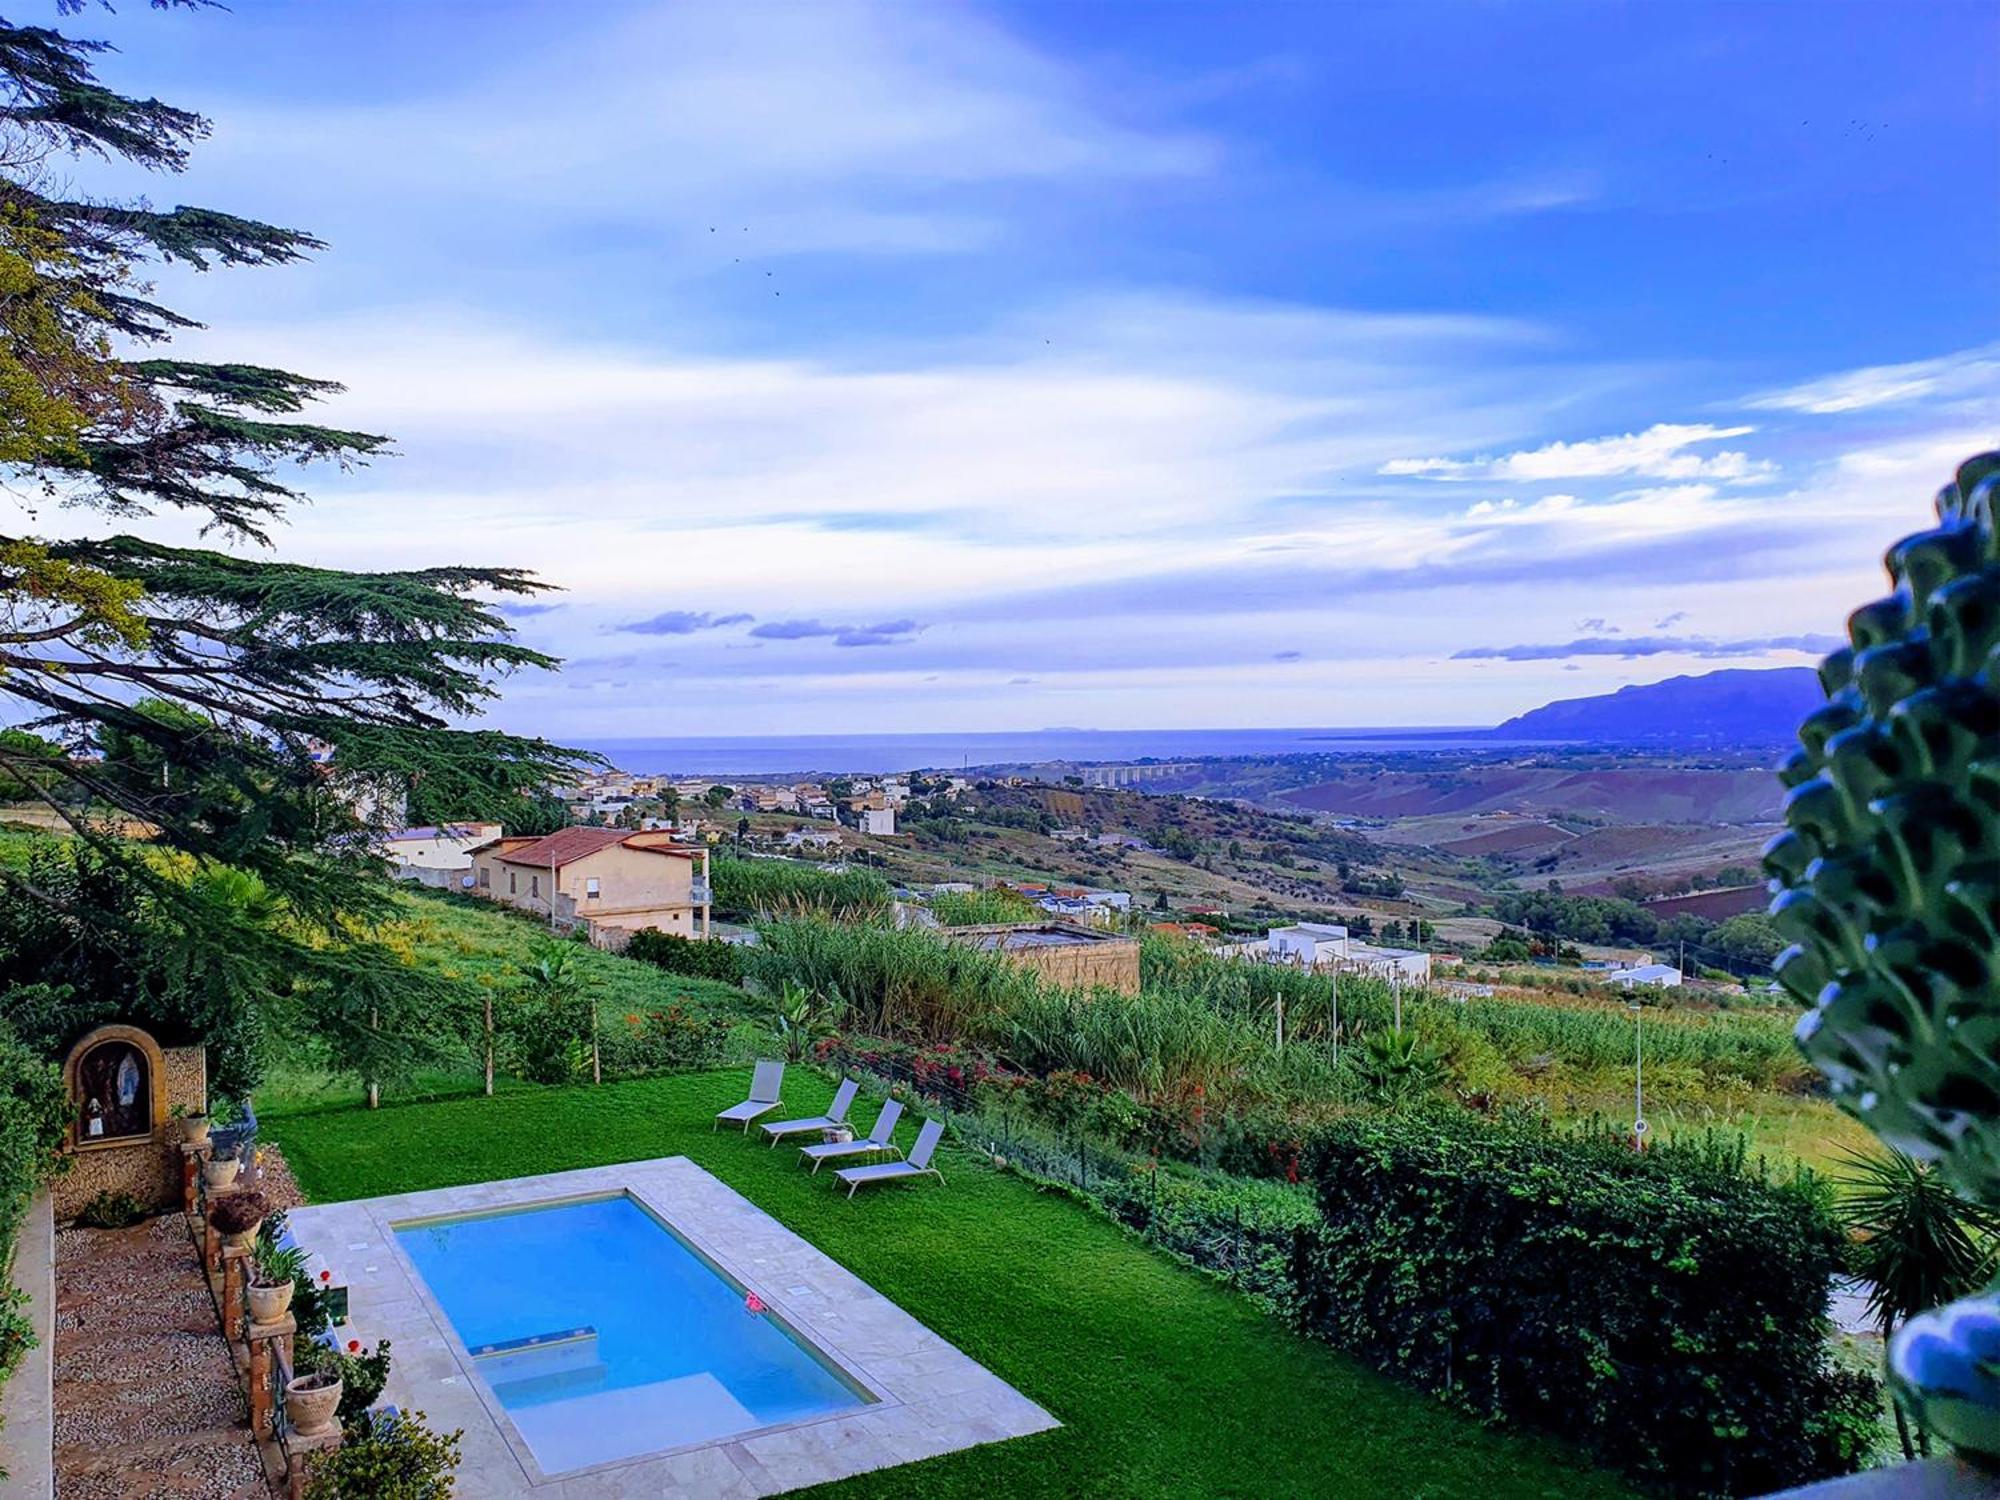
x=1167 y=1383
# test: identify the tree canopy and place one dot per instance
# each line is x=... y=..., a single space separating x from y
x=248 y=712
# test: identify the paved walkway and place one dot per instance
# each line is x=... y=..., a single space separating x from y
x=147 y=1405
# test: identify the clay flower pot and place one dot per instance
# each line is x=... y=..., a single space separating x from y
x=220 y=1174
x=269 y=1303
x=312 y=1402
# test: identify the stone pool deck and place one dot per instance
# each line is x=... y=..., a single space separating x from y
x=932 y=1399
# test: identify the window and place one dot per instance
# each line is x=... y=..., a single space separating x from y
x=534 y=885
x=590 y=889
x=513 y=883
x=485 y=878
x=115 y=1093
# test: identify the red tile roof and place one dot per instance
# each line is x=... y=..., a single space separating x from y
x=567 y=845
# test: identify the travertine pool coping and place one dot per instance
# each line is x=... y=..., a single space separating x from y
x=932 y=1398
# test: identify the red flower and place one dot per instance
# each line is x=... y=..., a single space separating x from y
x=354 y=1346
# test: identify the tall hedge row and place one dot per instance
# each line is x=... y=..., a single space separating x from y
x=34 y=1110
x=1667 y=1312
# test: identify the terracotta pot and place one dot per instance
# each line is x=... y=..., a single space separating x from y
x=194 y=1130
x=220 y=1174
x=312 y=1402
x=270 y=1303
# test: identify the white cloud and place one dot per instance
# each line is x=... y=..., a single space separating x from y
x=1660 y=452
x=1969 y=372
x=833 y=125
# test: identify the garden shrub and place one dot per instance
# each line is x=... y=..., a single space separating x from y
x=698 y=958
x=387 y=1457
x=109 y=1210
x=1666 y=1310
x=674 y=1038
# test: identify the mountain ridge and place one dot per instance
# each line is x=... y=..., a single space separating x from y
x=1733 y=706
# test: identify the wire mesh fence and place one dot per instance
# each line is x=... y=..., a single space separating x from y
x=1241 y=1230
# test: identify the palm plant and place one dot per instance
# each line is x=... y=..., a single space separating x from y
x=1918 y=1243
x=1400 y=1065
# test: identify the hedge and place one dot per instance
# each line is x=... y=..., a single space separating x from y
x=34 y=1109
x=700 y=959
x=1668 y=1311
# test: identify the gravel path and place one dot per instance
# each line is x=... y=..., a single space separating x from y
x=147 y=1404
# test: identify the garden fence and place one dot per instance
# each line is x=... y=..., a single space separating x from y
x=1240 y=1231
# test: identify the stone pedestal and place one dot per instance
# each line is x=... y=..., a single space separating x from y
x=191 y=1159
x=235 y=1284
x=270 y=1351
x=302 y=1449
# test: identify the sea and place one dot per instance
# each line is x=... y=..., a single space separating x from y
x=780 y=755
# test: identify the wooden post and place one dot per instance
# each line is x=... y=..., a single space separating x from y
x=489 y=1044
x=596 y=1065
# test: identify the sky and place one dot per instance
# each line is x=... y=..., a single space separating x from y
x=924 y=366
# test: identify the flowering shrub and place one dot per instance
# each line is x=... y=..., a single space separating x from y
x=674 y=1037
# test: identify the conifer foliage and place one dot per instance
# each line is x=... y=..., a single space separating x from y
x=255 y=713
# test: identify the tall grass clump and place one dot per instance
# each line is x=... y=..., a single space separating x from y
x=985 y=908
x=893 y=982
x=767 y=889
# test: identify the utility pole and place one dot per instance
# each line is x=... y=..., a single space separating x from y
x=1335 y=977
x=1281 y=1020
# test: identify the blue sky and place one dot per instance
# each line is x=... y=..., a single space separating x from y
x=926 y=366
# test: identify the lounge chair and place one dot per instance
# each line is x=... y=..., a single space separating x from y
x=835 y=1116
x=918 y=1165
x=881 y=1138
x=764 y=1084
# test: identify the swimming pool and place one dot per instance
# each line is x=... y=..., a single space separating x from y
x=604 y=1335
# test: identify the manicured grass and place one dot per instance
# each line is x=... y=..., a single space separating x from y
x=1168 y=1384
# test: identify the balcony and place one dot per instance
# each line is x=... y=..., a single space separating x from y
x=700 y=893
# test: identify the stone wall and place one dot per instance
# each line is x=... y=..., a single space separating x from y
x=149 y=1169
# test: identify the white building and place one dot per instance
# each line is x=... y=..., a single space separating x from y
x=1409 y=965
x=436 y=855
x=880 y=821
x=1307 y=945
x=1655 y=976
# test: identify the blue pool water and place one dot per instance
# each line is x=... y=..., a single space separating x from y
x=604 y=1336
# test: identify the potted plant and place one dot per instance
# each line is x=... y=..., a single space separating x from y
x=218 y=1173
x=236 y=1217
x=194 y=1125
x=311 y=1402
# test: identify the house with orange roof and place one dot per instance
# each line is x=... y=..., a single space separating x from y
x=610 y=881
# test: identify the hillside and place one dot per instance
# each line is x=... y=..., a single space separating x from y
x=1619 y=793
x=1733 y=707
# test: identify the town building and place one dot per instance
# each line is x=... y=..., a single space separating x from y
x=437 y=855
x=609 y=881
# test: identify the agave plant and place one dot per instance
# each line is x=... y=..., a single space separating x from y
x=1889 y=892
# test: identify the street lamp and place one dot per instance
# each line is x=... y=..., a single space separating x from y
x=1639 y=1126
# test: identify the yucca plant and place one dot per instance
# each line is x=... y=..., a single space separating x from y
x=1919 y=1243
x=1400 y=1066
